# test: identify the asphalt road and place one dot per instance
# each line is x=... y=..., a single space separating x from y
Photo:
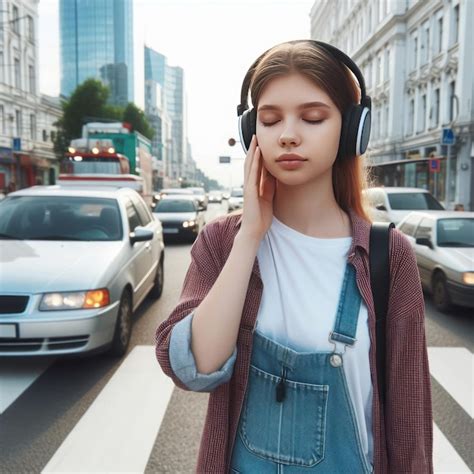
x=56 y=397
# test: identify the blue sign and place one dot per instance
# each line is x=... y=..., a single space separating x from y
x=447 y=137
x=16 y=144
x=435 y=165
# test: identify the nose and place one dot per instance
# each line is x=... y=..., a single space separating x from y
x=289 y=136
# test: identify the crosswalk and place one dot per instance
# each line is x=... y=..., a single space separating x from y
x=128 y=436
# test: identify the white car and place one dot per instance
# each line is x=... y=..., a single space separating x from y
x=236 y=200
x=443 y=242
x=392 y=204
x=74 y=266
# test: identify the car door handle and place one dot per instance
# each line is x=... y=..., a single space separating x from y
x=148 y=246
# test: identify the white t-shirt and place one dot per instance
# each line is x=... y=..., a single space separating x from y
x=311 y=271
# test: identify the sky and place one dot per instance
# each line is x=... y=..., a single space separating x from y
x=215 y=42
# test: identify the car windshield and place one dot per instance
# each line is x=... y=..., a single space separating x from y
x=413 y=201
x=175 y=205
x=96 y=165
x=60 y=218
x=237 y=193
x=455 y=232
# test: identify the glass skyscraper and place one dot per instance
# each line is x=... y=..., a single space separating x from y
x=97 y=42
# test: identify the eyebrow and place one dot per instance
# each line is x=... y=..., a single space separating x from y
x=307 y=105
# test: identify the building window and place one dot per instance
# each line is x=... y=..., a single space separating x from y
x=440 y=35
x=425 y=43
x=31 y=79
x=2 y=68
x=45 y=136
x=452 y=92
x=33 y=127
x=422 y=121
x=19 y=124
x=378 y=78
x=415 y=52
x=31 y=28
x=15 y=20
x=385 y=120
x=387 y=65
x=435 y=108
x=411 y=117
x=2 y=120
x=456 y=24
x=16 y=68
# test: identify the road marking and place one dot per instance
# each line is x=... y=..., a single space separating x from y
x=445 y=458
x=16 y=375
x=118 y=431
x=453 y=368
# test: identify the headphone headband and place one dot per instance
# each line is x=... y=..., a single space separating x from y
x=337 y=53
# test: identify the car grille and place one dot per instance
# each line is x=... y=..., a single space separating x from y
x=51 y=344
x=175 y=224
x=12 y=304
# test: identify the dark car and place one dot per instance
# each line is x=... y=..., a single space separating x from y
x=180 y=216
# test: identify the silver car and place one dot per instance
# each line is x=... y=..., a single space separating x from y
x=443 y=242
x=74 y=266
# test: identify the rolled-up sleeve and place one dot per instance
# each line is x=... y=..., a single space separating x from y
x=183 y=363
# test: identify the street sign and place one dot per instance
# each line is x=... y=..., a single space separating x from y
x=435 y=165
x=16 y=144
x=447 y=138
x=224 y=159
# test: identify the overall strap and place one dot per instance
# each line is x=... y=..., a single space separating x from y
x=345 y=326
x=380 y=284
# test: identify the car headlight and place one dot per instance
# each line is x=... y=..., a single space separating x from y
x=75 y=300
x=189 y=224
x=468 y=278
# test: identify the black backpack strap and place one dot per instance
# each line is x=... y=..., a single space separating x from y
x=380 y=283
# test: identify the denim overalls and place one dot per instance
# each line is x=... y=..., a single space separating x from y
x=297 y=415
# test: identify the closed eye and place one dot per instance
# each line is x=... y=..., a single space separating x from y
x=313 y=121
x=269 y=124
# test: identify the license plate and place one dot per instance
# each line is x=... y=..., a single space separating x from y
x=170 y=231
x=8 y=330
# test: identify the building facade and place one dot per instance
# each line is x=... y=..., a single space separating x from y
x=165 y=107
x=26 y=117
x=415 y=58
x=96 y=41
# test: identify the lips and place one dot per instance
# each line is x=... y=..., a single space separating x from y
x=290 y=157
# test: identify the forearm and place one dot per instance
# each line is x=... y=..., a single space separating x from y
x=216 y=320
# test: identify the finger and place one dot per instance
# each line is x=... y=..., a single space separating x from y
x=249 y=158
x=269 y=186
x=256 y=168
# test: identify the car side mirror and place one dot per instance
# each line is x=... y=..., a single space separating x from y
x=140 y=235
x=424 y=241
x=381 y=207
x=201 y=208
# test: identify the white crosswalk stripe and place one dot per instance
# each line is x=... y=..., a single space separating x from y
x=127 y=413
x=453 y=368
x=129 y=410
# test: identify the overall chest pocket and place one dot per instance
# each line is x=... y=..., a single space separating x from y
x=290 y=432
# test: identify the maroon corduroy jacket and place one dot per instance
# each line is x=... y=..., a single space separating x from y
x=403 y=441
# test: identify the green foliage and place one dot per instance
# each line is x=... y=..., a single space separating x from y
x=88 y=101
x=138 y=120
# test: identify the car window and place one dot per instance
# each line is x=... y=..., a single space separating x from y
x=237 y=193
x=425 y=229
x=413 y=201
x=60 y=218
x=175 y=205
x=455 y=232
x=409 y=226
x=132 y=216
x=143 y=214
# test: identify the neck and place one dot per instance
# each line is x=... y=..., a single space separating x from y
x=311 y=209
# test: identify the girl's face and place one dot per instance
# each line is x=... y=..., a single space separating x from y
x=297 y=118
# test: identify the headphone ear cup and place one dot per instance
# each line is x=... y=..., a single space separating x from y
x=351 y=120
x=248 y=127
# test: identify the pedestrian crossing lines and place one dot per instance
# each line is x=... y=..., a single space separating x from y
x=118 y=430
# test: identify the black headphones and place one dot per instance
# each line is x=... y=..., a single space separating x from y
x=355 y=130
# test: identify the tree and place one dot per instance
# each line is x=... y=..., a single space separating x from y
x=90 y=100
x=134 y=116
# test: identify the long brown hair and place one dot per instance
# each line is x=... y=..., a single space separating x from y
x=349 y=174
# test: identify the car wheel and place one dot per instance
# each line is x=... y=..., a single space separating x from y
x=440 y=293
x=123 y=326
x=157 y=288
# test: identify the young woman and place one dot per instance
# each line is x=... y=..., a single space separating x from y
x=276 y=318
